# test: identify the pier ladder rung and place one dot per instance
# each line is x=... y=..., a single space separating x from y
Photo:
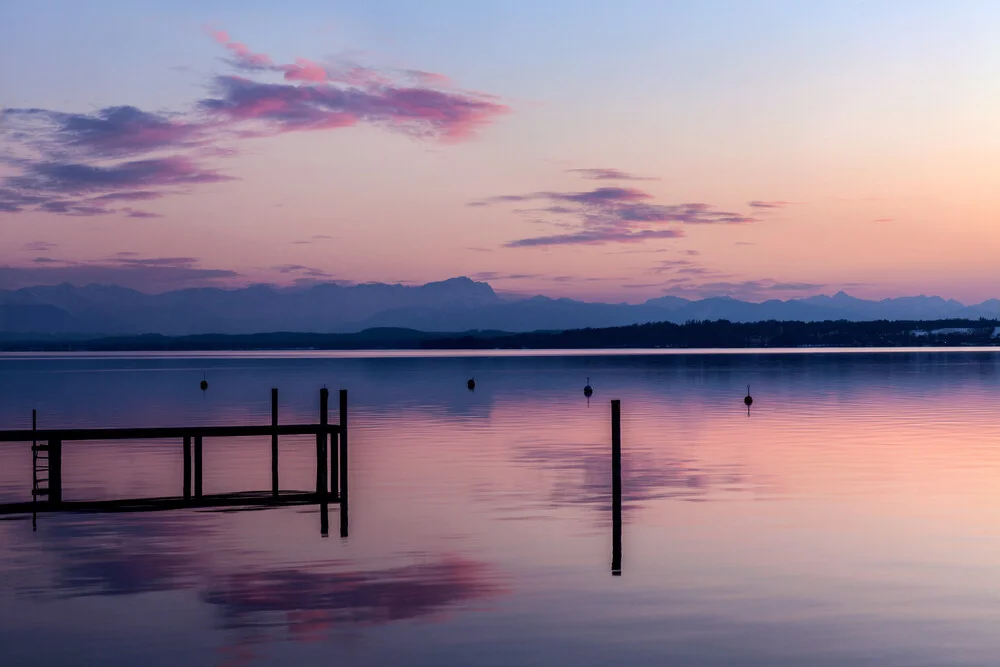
x=39 y=448
x=39 y=492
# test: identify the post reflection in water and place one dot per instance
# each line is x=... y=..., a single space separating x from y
x=616 y=488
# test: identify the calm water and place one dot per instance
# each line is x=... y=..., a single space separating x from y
x=853 y=518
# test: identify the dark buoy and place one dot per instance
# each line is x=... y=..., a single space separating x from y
x=748 y=400
x=588 y=391
x=204 y=383
x=471 y=384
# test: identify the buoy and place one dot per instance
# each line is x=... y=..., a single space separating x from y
x=748 y=401
x=204 y=383
x=471 y=384
x=588 y=391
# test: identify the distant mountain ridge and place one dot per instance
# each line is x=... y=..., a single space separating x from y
x=456 y=304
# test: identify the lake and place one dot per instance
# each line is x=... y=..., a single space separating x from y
x=852 y=518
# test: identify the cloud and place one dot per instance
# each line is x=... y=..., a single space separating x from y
x=138 y=195
x=610 y=175
x=39 y=246
x=495 y=275
x=242 y=56
x=282 y=107
x=134 y=213
x=122 y=131
x=148 y=274
x=302 y=270
x=123 y=153
x=747 y=290
x=612 y=215
x=78 y=178
x=768 y=204
x=63 y=187
x=884 y=219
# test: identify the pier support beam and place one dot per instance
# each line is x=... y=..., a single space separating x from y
x=616 y=488
x=321 y=438
x=187 y=467
x=55 y=472
x=343 y=463
x=274 y=443
x=197 y=466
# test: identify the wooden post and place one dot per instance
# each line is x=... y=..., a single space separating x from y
x=197 y=466
x=343 y=462
x=55 y=472
x=274 y=443
x=324 y=519
x=187 y=467
x=343 y=446
x=616 y=487
x=321 y=481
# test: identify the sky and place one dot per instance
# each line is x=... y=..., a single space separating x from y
x=607 y=151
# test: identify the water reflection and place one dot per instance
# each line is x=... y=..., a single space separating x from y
x=850 y=521
x=291 y=597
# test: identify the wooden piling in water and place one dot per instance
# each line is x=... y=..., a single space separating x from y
x=342 y=437
x=187 y=467
x=321 y=481
x=274 y=442
x=616 y=488
x=343 y=445
x=55 y=472
x=197 y=466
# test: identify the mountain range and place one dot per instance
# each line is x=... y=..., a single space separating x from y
x=457 y=304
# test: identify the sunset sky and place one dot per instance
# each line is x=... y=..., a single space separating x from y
x=605 y=151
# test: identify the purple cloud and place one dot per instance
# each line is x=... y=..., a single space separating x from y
x=610 y=175
x=613 y=215
x=597 y=237
x=123 y=153
x=138 y=195
x=768 y=204
x=148 y=274
x=283 y=107
x=122 y=131
x=79 y=178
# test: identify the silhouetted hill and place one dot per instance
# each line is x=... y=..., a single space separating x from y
x=702 y=334
x=458 y=304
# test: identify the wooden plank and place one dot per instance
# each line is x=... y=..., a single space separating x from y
x=167 y=433
x=242 y=499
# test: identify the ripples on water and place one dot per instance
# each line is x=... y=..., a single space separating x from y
x=851 y=519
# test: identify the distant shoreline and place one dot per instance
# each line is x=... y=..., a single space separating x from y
x=705 y=335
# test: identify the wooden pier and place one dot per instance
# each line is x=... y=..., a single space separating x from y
x=331 y=478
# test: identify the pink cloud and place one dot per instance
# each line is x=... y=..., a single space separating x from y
x=757 y=203
x=305 y=70
x=243 y=56
x=72 y=171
